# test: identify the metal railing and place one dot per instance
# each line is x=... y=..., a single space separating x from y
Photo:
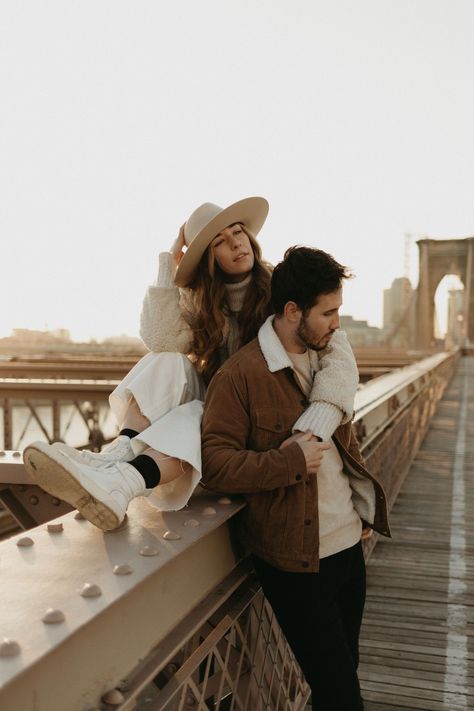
x=193 y=632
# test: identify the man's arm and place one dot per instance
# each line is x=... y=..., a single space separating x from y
x=228 y=465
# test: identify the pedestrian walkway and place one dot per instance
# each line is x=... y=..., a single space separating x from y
x=417 y=645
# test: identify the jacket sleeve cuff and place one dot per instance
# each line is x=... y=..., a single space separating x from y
x=322 y=418
x=296 y=463
x=165 y=271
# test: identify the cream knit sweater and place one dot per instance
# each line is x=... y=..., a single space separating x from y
x=163 y=327
x=339 y=523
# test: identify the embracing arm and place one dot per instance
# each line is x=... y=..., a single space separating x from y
x=162 y=324
x=227 y=465
x=334 y=389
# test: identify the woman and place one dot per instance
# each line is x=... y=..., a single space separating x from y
x=208 y=301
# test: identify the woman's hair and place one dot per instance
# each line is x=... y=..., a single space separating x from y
x=211 y=309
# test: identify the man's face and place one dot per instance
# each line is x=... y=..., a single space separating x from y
x=315 y=330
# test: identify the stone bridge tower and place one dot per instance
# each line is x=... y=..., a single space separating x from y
x=439 y=257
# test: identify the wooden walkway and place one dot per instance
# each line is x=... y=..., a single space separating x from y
x=417 y=646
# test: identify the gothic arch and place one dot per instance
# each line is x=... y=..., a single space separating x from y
x=437 y=259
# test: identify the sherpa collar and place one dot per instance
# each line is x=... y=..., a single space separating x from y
x=273 y=351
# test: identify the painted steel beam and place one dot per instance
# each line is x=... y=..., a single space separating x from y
x=101 y=637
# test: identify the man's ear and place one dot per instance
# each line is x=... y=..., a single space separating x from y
x=292 y=312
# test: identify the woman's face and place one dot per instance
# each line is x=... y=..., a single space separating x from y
x=233 y=252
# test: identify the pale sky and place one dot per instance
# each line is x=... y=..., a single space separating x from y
x=354 y=119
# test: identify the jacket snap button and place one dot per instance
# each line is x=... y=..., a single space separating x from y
x=308 y=522
x=278 y=426
x=305 y=564
x=308 y=481
x=298 y=477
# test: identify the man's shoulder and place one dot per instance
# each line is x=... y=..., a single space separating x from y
x=245 y=361
x=250 y=353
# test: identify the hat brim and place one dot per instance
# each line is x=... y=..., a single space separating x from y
x=251 y=212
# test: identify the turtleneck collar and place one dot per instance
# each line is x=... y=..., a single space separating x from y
x=236 y=293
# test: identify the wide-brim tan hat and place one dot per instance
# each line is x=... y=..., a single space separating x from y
x=207 y=221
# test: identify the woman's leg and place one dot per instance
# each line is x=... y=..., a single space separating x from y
x=157 y=384
x=134 y=419
x=170 y=467
x=149 y=403
x=166 y=388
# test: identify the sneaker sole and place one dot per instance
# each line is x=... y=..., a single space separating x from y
x=52 y=476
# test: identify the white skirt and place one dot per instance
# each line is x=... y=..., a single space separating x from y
x=170 y=393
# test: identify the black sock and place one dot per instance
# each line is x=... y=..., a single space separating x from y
x=128 y=433
x=148 y=469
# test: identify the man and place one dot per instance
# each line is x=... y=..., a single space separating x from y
x=308 y=502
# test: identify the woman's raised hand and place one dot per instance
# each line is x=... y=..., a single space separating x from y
x=177 y=248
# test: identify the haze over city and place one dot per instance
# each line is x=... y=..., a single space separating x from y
x=353 y=119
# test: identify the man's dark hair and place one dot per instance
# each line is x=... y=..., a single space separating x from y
x=303 y=275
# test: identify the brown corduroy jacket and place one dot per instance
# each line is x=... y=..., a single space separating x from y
x=249 y=411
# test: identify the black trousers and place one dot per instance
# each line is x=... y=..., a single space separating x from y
x=320 y=615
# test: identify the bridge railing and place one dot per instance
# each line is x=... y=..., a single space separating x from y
x=181 y=623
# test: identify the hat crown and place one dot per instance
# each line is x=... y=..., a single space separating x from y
x=196 y=222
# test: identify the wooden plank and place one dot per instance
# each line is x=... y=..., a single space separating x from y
x=415 y=581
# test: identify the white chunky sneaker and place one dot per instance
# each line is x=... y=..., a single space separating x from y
x=119 y=450
x=101 y=493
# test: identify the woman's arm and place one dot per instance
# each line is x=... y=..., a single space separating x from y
x=162 y=323
x=334 y=389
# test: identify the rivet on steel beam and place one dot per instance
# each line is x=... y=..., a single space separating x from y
x=55 y=501
x=114 y=697
x=91 y=590
x=55 y=527
x=209 y=511
x=79 y=517
x=190 y=700
x=170 y=669
x=149 y=550
x=224 y=500
x=53 y=616
x=192 y=523
x=25 y=542
x=34 y=500
x=122 y=569
x=171 y=536
x=17 y=454
x=9 y=648
x=3 y=454
x=22 y=487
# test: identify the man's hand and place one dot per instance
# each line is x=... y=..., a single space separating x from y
x=313 y=450
x=366 y=533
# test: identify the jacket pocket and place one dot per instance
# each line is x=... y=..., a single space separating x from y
x=272 y=425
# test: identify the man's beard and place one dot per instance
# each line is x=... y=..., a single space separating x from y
x=306 y=336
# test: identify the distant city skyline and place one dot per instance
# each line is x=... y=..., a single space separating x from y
x=118 y=119
x=391 y=312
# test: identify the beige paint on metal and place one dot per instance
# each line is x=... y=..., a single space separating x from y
x=12 y=470
x=70 y=665
x=375 y=400
x=381 y=389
